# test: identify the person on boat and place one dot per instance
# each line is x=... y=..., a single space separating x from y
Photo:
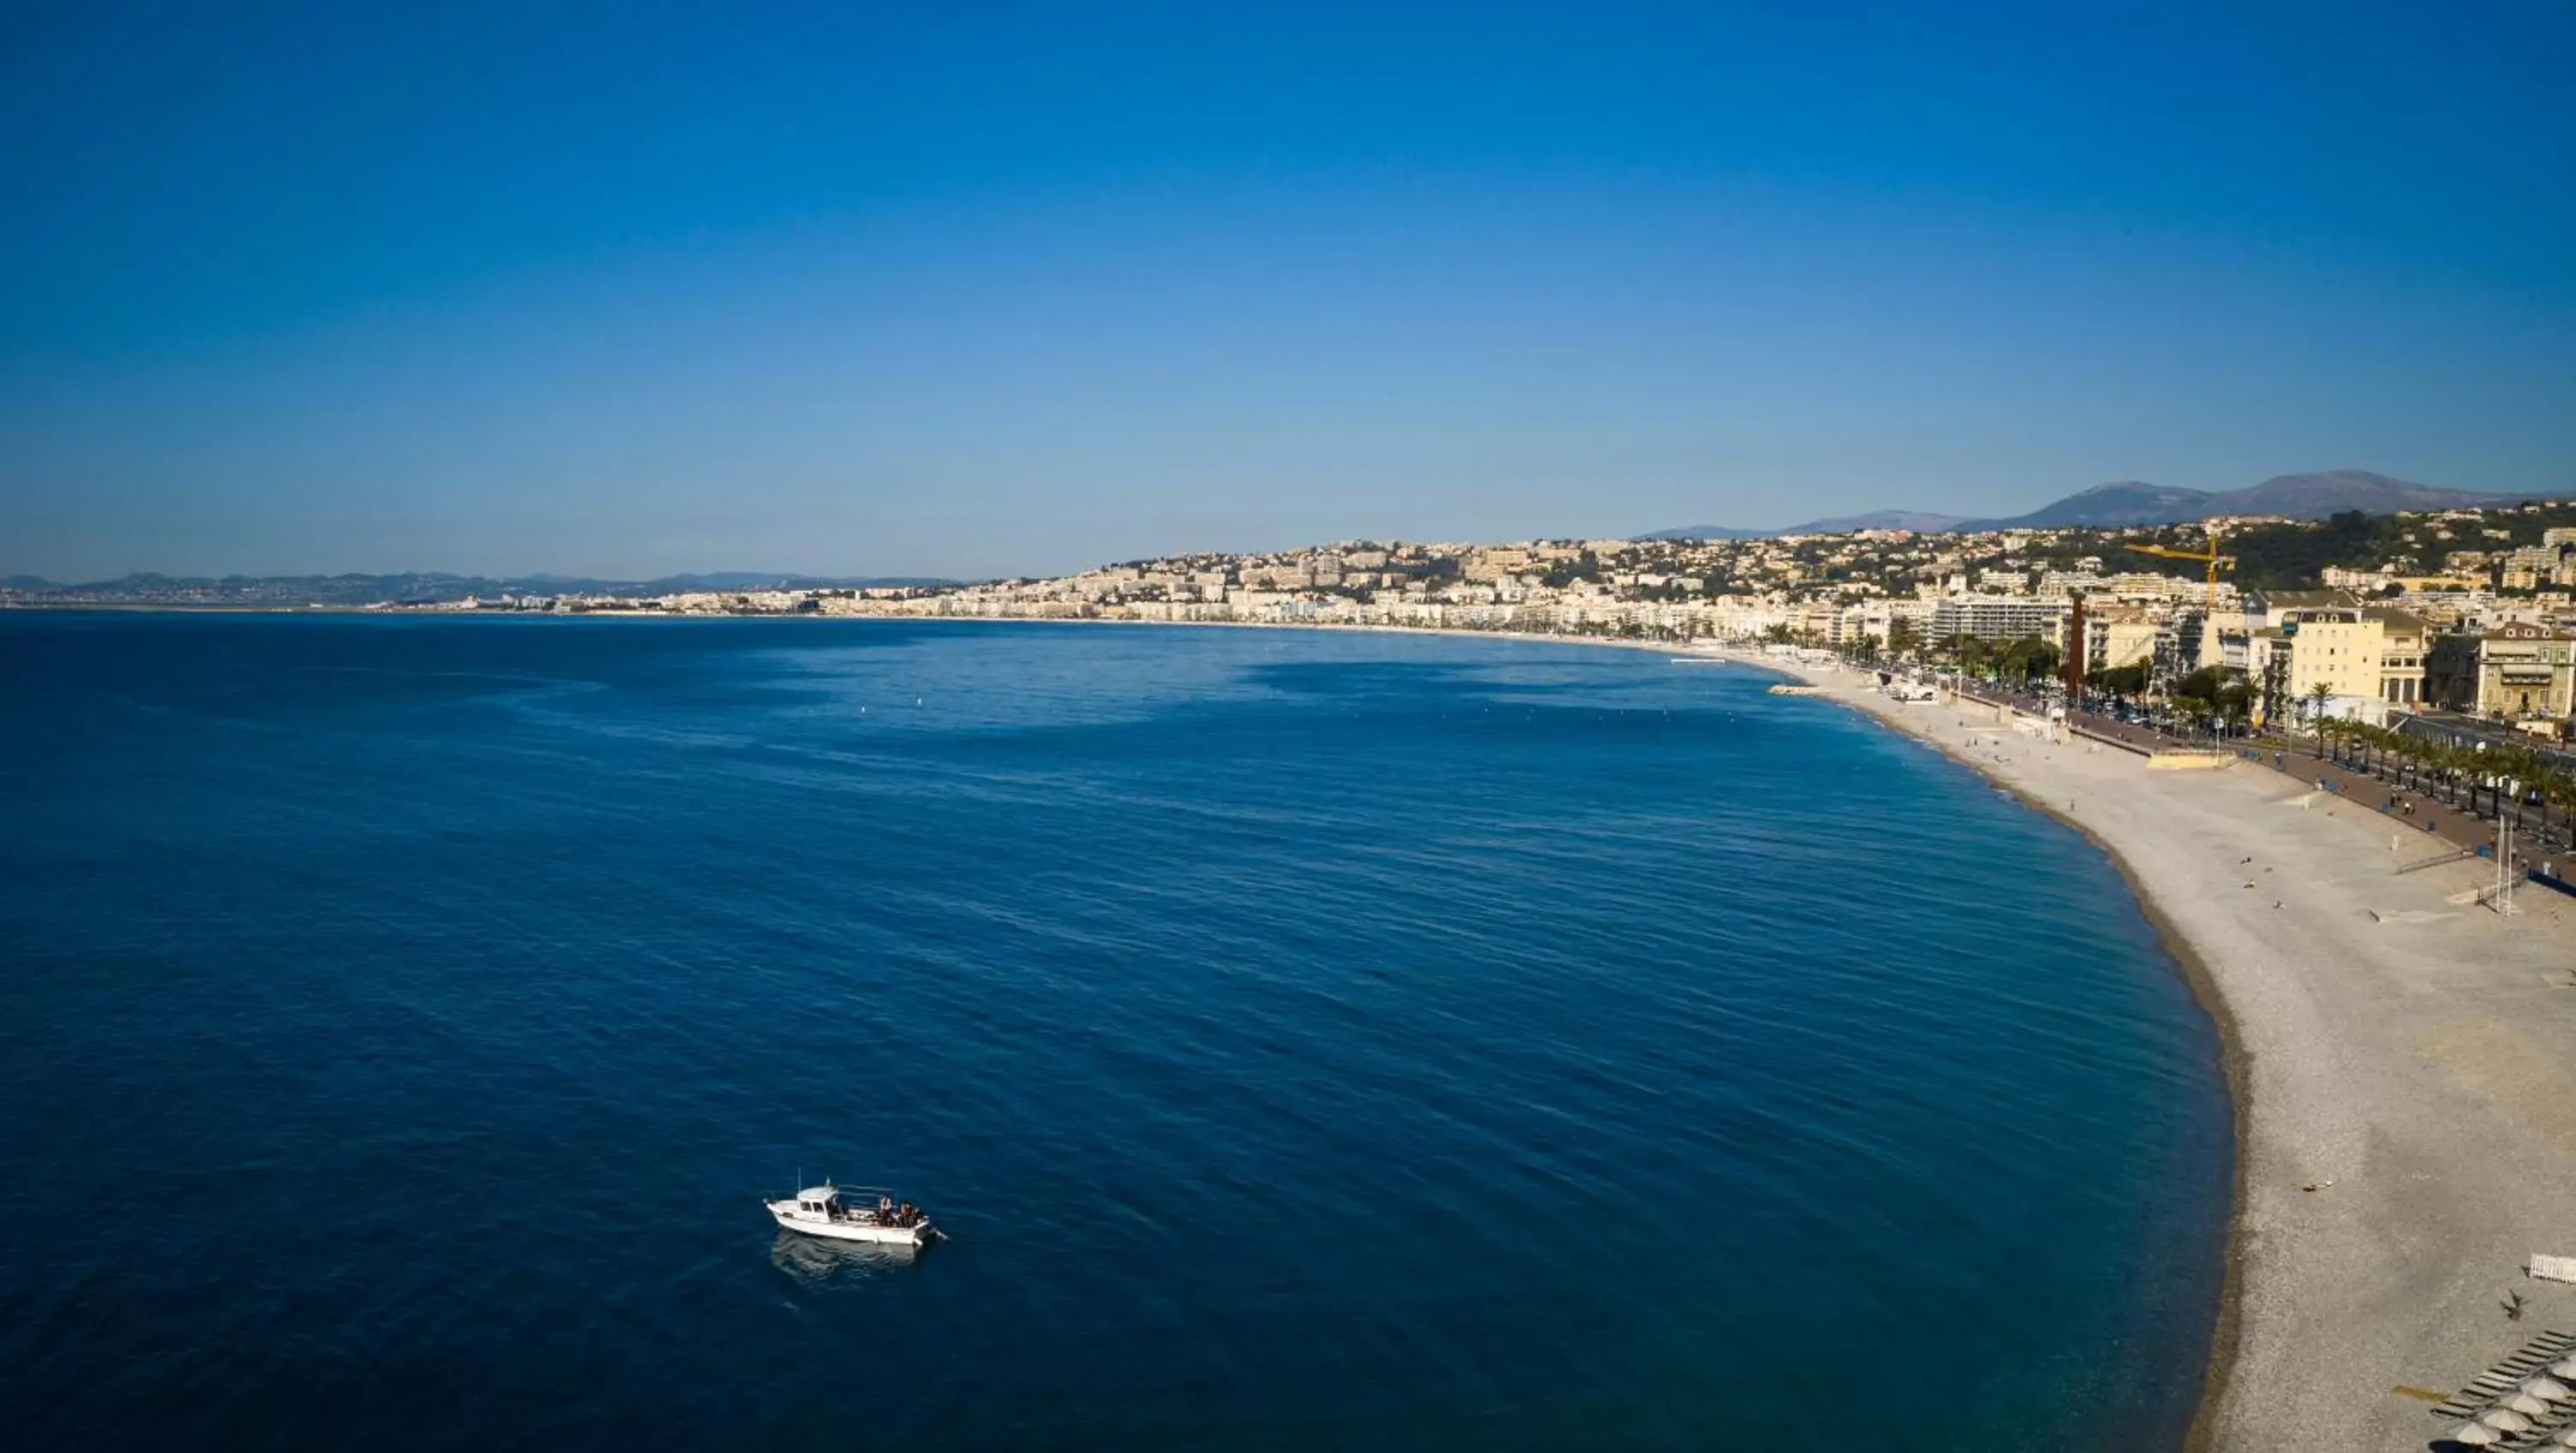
x=885 y=1207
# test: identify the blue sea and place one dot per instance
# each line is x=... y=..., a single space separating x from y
x=1310 y=1040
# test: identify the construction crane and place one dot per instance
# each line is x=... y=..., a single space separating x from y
x=2209 y=554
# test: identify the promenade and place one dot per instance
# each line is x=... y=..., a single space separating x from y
x=2399 y=1058
x=2444 y=824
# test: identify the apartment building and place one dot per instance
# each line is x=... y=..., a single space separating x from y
x=2405 y=641
x=2520 y=670
x=2118 y=637
x=1997 y=618
x=2367 y=658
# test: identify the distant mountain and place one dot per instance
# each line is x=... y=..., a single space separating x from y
x=2315 y=496
x=341 y=590
x=1875 y=520
x=1838 y=525
x=2296 y=496
x=2136 y=502
x=2121 y=502
x=1706 y=532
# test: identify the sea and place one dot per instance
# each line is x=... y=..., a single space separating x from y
x=1308 y=1039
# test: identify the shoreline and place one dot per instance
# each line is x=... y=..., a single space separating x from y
x=2205 y=990
x=2378 y=1044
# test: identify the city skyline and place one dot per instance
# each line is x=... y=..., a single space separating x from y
x=929 y=296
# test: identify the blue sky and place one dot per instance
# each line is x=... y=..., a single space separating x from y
x=973 y=290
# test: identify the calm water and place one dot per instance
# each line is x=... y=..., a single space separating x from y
x=1311 y=1041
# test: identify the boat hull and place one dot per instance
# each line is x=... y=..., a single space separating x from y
x=917 y=1234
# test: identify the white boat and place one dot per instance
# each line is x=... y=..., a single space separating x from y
x=855 y=1213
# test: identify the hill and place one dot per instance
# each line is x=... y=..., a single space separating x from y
x=2136 y=502
x=2315 y=496
x=2121 y=502
x=1837 y=525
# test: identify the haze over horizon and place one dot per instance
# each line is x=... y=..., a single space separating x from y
x=640 y=291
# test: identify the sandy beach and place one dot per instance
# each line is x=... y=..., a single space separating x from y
x=2399 y=1059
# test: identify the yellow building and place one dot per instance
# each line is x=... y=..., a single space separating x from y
x=2405 y=643
x=2116 y=638
x=2366 y=658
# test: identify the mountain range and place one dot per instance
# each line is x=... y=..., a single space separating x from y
x=2136 y=502
x=431 y=586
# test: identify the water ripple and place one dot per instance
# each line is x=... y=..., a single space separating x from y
x=1364 y=1041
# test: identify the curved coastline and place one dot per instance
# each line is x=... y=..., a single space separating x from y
x=2393 y=1060
x=2205 y=991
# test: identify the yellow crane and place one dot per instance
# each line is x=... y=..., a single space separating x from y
x=2209 y=553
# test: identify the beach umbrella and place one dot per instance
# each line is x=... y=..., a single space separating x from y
x=2475 y=1435
x=2567 y=1439
x=2527 y=1405
x=2505 y=1420
x=2548 y=1387
x=2563 y=1367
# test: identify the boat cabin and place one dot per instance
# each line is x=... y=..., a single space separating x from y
x=855 y=1205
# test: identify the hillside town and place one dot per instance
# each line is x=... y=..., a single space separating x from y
x=2469 y=610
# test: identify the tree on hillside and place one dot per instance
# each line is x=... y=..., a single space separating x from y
x=2294 y=554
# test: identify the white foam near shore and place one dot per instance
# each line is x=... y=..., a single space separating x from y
x=2404 y=1075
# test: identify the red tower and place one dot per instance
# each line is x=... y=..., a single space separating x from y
x=2075 y=649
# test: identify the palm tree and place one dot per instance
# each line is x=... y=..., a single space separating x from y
x=2235 y=703
x=2547 y=782
x=2515 y=766
x=2435 y=759
x=2318 y=696
x=2418 y=755
x=2193 y=710
x=2557 y=785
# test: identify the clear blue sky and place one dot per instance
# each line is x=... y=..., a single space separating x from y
x=627 y=289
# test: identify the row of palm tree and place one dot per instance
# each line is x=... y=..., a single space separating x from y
x=2422 y=764
x=2024 y=662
